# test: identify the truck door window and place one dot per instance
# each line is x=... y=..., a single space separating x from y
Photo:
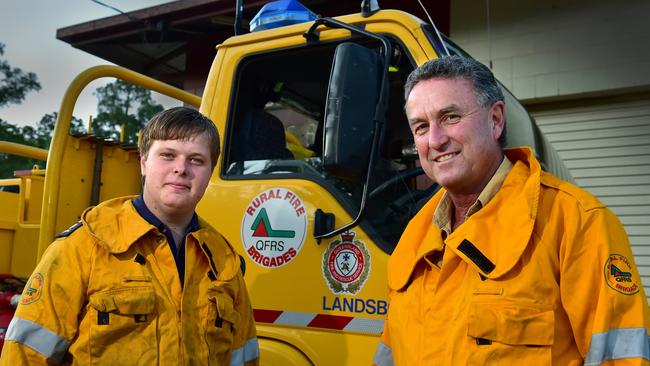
x=275 y=131
x=271 y=134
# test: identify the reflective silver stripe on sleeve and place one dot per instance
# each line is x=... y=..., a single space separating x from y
x=248 y=352
x=383 y=356
x=42 y=340
x=618 y=344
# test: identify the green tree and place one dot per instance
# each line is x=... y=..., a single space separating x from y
x=11 y=163
x=121 y=103
x=39 y=136
x=14 y=82
x=14 y=86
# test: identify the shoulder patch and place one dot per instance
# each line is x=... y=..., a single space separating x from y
x=33 y=290
x=619 y=275
x=69 y=230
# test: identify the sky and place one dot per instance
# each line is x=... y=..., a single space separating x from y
x=28 y=31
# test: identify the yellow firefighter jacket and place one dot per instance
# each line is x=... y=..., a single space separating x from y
x=109 y=293
x=543 y=274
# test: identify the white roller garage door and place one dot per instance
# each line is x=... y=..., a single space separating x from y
x=607 y=149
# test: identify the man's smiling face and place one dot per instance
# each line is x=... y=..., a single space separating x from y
x=456 y=138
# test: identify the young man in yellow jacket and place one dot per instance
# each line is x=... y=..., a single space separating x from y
x=142 y=280
x=507 y=265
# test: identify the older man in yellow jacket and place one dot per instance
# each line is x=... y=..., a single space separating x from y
x=142 y=280
x=507 y=265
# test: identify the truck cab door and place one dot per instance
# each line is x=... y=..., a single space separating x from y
x=273 y=177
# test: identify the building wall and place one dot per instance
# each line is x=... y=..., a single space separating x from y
x=556 y=48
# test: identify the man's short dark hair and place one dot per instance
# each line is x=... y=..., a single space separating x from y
x=180 y=123
x=485 y=86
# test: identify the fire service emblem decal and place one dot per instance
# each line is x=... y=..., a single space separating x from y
x=346 y=264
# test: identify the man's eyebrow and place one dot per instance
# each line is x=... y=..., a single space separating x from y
x=195 y=154
x=414 y=120
x=449 y=108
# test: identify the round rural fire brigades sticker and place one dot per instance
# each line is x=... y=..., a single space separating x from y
x=618 y=274
x=273 y=228
x=346 y=264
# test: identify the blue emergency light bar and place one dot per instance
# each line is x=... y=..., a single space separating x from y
x=280 y=13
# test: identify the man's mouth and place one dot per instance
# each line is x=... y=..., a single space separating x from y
x=178 y=186
x=445 y=157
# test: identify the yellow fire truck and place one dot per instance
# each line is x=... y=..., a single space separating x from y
x=317 y=178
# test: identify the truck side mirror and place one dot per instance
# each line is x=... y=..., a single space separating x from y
x=355 y=82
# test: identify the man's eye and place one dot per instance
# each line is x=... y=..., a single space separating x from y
x=197 y=161
x=166 y=155
x=420 y=129
x=451 y=118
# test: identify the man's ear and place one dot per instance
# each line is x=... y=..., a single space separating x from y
x=143 y=164
x=497 y=119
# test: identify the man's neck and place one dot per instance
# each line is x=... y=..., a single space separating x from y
x=461 y=207
x=463 y=201
x=177 y=223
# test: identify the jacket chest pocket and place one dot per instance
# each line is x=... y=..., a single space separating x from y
x=123 y=319
x=219 y=326
x=506 y=333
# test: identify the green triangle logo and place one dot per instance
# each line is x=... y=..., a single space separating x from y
x=262 y=227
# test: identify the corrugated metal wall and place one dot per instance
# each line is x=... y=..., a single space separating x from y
x=607 y=149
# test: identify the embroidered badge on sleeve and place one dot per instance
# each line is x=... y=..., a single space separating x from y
x=33 y=290
x=618 y=274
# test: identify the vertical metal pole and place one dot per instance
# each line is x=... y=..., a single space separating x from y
x=489 y=30
x=97 y=173
x=239 y=10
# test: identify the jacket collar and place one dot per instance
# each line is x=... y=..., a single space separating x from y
x=500 y=231
x=146 y=214
x=116 y=225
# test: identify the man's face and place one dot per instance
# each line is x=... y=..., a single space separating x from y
x=456 y=139
x=176 y=174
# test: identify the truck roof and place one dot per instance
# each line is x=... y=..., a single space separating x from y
x=383 y=16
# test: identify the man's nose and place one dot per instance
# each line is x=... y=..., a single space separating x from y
x=180 y=167
x=437 y=135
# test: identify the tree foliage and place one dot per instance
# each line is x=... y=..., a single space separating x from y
x=39 y=136
x=11 y=163
x=121 y=103
x=42 y=134
x=14 y=86
x=14 y=82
